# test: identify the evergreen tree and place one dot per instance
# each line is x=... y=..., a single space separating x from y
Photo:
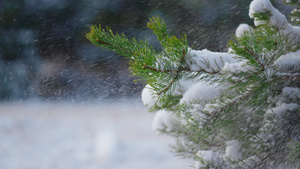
x=238 y=109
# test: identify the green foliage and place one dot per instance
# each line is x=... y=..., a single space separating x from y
x=261 y=47
x=263 y=16
x=161 y=77
x=295 y=14
x=244 y=110
x=294 y=147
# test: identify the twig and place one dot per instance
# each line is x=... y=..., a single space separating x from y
x=179 y=70
x=263 y=67
x=103 y=43
x=176 y=72
x=167 y=88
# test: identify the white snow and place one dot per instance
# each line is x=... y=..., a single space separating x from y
x=291 y=92
x=106 y=144
x=201 y=91
x=183 y=86
x=237 y=67
x=233 y=150
x=282 y=108
x=40 y=135
x=148 y=96
x=163 y=120
x=210 y=108
x=198 y=59
x=277 y=18
x=289 y=60
x=294 y=32
x=208 y=155
x=241 y=30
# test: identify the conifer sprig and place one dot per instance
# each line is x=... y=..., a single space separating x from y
x=161 y=70
x=295 y=14
x=248 y=109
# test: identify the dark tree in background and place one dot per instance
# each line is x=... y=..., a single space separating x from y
x=43 y=51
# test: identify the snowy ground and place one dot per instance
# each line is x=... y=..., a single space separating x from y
x=41 y=135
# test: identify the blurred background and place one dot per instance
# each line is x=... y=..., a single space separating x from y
x=45 y=57
x=44 y=53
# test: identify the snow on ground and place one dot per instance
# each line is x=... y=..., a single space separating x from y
x=43 y=135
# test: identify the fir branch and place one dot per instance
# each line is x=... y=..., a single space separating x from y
x=248 y=92
x=257 y=60
x=186 y=69
x=103 y=43
x=156 y=70
x=230 y=105
x=177 y=72
x=168 y=87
